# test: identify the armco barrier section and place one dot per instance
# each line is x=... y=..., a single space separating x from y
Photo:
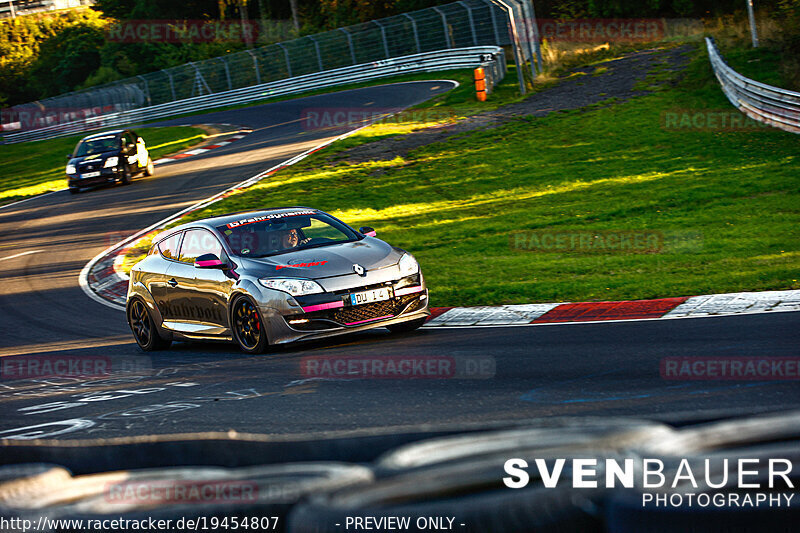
x=771 y=105
x=490 y=57
x=466 y=23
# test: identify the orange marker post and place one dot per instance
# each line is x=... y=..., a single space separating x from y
x=480 y=84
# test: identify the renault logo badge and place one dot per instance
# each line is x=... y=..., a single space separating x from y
x=358 y=269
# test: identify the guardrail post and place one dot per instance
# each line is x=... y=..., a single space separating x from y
x=255 y=66
x=199 y=81
x=447 y=39
x=524 y=32
x=533 y=35
x=751 y=17
x=146 y=89
x=288 y=62
x=471 y=22
x=319 y=55
x=414 y=29
x=171 y=84
x=519 y=60
x=494 y=21
x=350 y=43
x=227 y=73
x=383 y=34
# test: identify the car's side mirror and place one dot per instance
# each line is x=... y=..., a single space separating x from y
x=366 y=230
x=210 y=261
x=69 y=156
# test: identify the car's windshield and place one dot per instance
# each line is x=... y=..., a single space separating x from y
x=276 y=233
x=96 y=145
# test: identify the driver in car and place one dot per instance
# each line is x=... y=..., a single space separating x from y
x=292 y=239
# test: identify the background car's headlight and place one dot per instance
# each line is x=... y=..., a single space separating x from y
x=111 y=162
x=71 y=169
x=295 y=287
x=408 y=265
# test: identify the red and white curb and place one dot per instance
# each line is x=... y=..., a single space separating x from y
x=735 y=303
x=242 y=133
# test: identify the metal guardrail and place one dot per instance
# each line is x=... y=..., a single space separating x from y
x=771 y=105
x=490 y=57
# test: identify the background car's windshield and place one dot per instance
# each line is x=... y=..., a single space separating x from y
x=255 y=237
x=96 y=146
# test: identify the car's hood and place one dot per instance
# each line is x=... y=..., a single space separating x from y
x=102 y=156
x=326 y=261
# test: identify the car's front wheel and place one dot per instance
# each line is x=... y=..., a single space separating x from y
x=144 y=329
x=74 y=190
x=248 y=329
x=403 y=327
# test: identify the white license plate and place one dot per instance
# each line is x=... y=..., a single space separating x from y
x=367 y=297
x=90 y=174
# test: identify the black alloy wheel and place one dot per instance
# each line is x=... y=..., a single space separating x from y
x=247 y=327
x=143 y=328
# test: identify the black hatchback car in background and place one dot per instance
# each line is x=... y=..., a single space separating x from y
x=106 y=158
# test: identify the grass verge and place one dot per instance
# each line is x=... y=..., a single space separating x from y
x=28 y=169
x=723 y=202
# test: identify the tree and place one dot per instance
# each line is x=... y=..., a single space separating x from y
x=67 y=59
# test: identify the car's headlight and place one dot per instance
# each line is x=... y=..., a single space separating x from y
x=408 y=265
x=111 y=162
x=71 y=169
x=295 y=287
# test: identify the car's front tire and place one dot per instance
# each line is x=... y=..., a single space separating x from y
x=404 y=327
x=74 y=190
x=247 y=326
x=144 y=329
x=126 y=177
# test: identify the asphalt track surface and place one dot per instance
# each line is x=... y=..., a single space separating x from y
x=367 y=380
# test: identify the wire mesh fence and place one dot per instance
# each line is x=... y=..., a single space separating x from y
x=460 y=24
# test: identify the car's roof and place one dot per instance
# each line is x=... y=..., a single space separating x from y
x=234 y=217
x=103 y=134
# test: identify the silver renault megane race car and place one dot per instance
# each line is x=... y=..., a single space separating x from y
x=271 y=277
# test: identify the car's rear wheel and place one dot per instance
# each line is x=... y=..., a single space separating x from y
x=144 y=329
x=248 y=329
x=150 y=169
x=403 y=327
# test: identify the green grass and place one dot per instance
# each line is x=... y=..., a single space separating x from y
x=728 y=202
x=28 y=169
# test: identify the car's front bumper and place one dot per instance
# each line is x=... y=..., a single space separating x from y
x=280 y=331
x=331 y=313
x=106 y=175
